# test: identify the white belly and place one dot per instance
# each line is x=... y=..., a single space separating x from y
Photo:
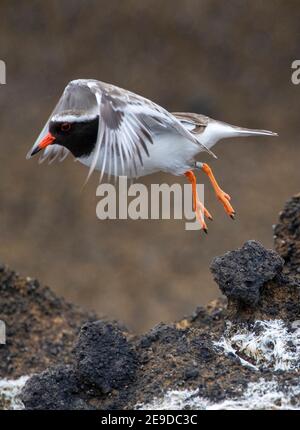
x=168 y=154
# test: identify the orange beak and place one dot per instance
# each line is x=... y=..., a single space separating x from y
x=48 y=140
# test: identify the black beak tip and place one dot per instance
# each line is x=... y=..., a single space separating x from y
x=35 y=151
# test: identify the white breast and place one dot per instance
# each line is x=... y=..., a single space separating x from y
x=167 y=153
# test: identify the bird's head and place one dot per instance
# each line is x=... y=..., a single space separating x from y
x=75 y=131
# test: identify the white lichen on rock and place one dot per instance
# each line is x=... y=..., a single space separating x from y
x=10 y=390
x=173 y=399
x=266 y=344
x=262 y=345
x=258 y=395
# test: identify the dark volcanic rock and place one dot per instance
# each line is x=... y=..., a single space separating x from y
x=103 y=361
x=251 y=278
x=113 y=370
x=287 y=236
x=41 y=328
x=240 y=274
x=56 y=388
x=104 y=358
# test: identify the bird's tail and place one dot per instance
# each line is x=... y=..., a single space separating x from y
x=240 y=131
x=217 y=130
x=209 y=131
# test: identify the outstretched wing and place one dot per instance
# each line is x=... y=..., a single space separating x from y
x=128 y=125
x=123 y=134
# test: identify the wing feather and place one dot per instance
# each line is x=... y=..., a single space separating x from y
x=133 y=122
x=54 y=152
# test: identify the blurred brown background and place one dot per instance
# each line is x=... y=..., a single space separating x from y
x=228 y=59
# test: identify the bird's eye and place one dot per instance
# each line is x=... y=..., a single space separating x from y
x=65 y=126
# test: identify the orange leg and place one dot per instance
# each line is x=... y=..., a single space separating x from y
x=221 y=195
x=198 y=207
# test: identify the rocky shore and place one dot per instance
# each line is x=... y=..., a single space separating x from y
x=242 y=351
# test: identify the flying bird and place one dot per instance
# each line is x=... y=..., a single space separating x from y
x=117 y=132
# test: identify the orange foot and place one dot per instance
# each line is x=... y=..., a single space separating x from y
x=223 y=197
x=198 y=207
